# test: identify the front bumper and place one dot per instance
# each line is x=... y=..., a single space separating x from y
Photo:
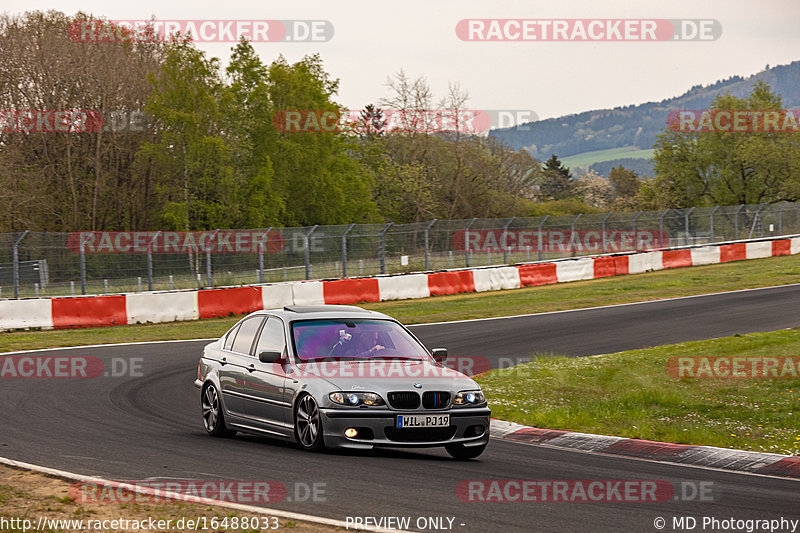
x=376 y=427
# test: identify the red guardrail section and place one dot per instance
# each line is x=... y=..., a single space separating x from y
x=223 y=302
x=90 y=311
x=732 y=252
x=441 y=283
x=541 y=274
x=350 y=291
x=676 y=258
x=604 y=267
x=782 y=247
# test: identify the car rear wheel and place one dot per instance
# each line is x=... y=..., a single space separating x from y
x=213 y=419
x=308 y=424
x=463 y=453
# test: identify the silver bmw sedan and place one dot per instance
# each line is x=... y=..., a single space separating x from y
x=338 y=376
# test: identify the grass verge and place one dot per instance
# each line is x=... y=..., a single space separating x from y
x=591 y=293
x=630 y=394
x=30 y=496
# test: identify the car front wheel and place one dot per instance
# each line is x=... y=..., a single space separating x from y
x=213 y=419
x=308 y=424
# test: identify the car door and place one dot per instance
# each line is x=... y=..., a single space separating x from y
x=235 y=359
x=265 y=382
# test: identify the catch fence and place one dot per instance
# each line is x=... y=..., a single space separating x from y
x=56 y=264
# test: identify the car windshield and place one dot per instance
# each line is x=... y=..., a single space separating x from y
x=354 y=340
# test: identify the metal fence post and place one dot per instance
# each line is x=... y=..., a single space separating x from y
x=541 y=223
x=661 y=227
x=344 y=249
x=383 y=246
x=466 y=241
x=633 y=228
x=504 y=240
x=780 y=218
x=603 y=233
x=686 y=222
x=736 y=222
x=83 y=263
x=755 y=220
x=150 y=261
x=208 y=259
x=15 y=262
x=427 y=244
x=307 y=251
x=572 y=231
x=261 y=238
x=711 y=222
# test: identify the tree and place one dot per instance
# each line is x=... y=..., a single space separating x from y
x=83 y=178
x=717 y=167
x=625 y=182
x=322 y=182
x=248 y=129
x=594 y=190
x=371 y=122
x=626 y=185
x=193 y=161
x=557 y=180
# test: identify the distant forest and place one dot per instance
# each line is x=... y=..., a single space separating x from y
x=642 y=167
x=637 y=125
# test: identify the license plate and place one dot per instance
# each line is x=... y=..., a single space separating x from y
x=422 y=421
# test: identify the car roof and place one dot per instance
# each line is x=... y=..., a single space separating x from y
x=312 y=312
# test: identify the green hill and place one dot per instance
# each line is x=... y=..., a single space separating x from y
x=602 y=136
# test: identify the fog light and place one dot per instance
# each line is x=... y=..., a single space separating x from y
x=350 y=433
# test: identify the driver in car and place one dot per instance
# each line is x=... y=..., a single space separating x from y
x=370 y=343
x=364 y=344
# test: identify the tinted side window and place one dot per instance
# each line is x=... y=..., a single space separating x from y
x=272 y=337
x=231 y=335
x=246 y=335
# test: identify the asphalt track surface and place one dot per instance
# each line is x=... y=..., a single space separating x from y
x=149 y=428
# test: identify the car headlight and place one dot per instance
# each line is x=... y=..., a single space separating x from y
x=471 y=397
x=356 y=398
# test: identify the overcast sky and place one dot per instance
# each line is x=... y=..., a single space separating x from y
x=374 y=39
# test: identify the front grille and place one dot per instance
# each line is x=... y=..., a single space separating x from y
x=419 y=434
x=435 y=400
x=403 y=400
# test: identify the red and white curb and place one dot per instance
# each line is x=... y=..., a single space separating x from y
x=771 y=464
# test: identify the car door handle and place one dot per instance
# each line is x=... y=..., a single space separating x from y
x=224 y=361
x=251 y=368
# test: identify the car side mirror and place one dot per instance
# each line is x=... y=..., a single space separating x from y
x=439 y=354
x=270 y=357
